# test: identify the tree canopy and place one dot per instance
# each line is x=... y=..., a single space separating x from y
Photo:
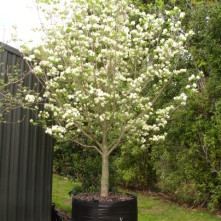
x=105 y=64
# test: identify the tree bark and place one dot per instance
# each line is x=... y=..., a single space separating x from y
x=105 y=175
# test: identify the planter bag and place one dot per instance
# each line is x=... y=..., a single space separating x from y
x=104 y=211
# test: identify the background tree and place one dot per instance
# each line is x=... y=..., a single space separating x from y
x=194 y=134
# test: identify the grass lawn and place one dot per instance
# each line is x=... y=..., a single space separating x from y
x=150 y=208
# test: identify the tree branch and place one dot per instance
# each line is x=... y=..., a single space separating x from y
x=88 y=146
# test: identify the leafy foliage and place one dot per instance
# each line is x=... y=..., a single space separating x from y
x=135 y=168
x=82 y=166
x=188 y=162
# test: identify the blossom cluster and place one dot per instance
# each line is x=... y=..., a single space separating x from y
x=30 y=98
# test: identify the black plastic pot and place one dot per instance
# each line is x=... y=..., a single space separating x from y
x=104 y=211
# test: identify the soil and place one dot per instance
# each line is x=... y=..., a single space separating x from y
x=113 y=197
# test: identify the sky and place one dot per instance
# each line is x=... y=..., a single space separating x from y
x=23 y=15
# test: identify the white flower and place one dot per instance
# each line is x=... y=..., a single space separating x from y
x=37 y=70
x=133 y=23
x=184 y=96
x=60 y=67
x=37 y=52
x=133 y=95
x=143 y=140
x=101 y=118
x=191 y=32
x=40 y=99
x=45 y=63
x=182 y=14
x=100 y=93
x=70 y=96
x=30 y=98
x=28 y=58
x=192 y=77
x=48 y=131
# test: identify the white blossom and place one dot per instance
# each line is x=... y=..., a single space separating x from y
x=30 y=98
x=182 y=14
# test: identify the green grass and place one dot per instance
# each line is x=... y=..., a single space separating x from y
x=60 y=188
x=150 y=208
x=153 y=209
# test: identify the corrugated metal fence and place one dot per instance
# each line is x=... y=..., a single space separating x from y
x=25 y=159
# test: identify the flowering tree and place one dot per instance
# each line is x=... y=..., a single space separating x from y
x=104 y=65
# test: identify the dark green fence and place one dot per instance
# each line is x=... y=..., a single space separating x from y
x=25 y=159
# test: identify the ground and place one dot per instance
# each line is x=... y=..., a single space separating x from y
x=150 y=207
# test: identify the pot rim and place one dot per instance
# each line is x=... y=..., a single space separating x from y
x=134 y=198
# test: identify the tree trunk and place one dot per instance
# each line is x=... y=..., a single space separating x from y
x=105 y=176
